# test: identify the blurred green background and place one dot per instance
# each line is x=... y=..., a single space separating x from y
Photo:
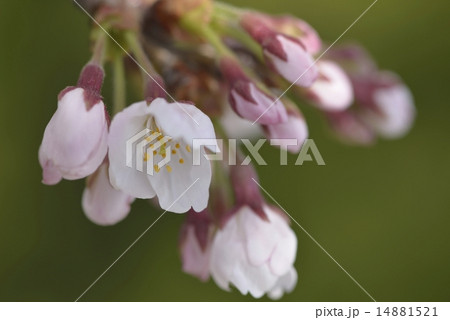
x=382 y=212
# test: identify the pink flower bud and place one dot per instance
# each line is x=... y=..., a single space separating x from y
x=195 y=244
x=247 y=100
x=298 y=29
x=386 y=104
x=354 y=58
x=75 y=140
x=286 y=55
x=295 y=128
x=255 y=255
x=332 y=91
x=394 y=113
x=349 y=128
x=103 y=204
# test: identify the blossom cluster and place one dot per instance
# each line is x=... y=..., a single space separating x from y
x=211 y=71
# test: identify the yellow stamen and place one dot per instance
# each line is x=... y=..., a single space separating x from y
x=181 y=160
x=156 y=168
x=174 y=151
x=188 y=149
x=177 y=146
x=169 y=168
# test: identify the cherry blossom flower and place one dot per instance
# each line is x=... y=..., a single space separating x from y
x=253 y=254
x=179 y=184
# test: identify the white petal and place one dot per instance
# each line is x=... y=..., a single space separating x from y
x=180 y=186
x=284 y=254
x=226 y=247
x=299 y=67
x=285 y=284
x=124 y=126
x=103 y=204
x=182 y=121
x=255 y=280
x=259 y=237
x=94 y=160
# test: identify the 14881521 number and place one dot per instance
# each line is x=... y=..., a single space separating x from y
x=407 y=312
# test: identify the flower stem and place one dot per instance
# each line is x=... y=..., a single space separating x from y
x=235 y=31
x=227 y=10
x=119 y=84
x=207 y=33
x=98 y=54
x=139 y=53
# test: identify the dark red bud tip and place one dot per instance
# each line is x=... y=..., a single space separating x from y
x=155 y=89
x=201 y=222
x=91 y=78
x=257 y=27
x=232 y=71
x=246 y=188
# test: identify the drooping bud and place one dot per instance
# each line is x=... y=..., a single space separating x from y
x=247 y=100
x=75 y=140
x=103 y=204
x=349 y=128
x=332 y=91
x=295 y=129
x=390 y=111
x=286 y=55
x=255 y=255
x=298 y=29
x=354 y=59
x=195 y=244
x=383 y=102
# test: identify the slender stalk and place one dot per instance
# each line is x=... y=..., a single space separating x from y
x=236 y=32
x=227 y=10
x=98 y=54
x=207 y=33
x=119 y=84
x=139 y=53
